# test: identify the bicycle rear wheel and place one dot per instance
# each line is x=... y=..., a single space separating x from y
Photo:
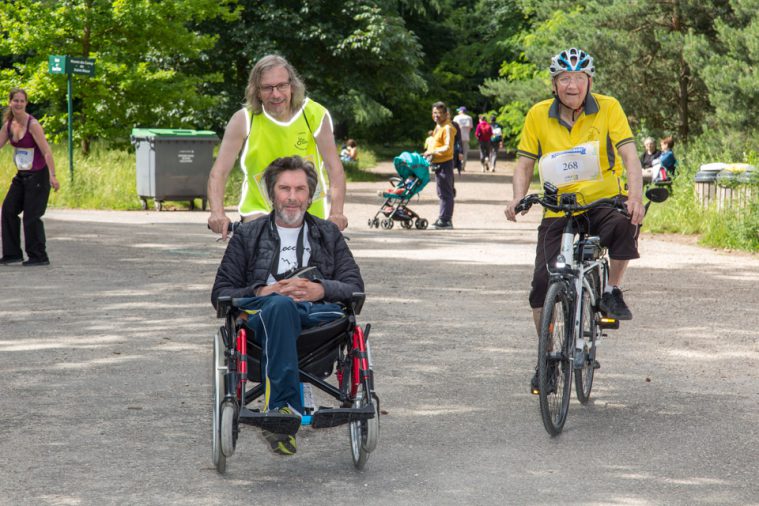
x=585 y=358
x=554 y=366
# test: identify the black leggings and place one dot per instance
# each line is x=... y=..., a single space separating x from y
x=28 y=193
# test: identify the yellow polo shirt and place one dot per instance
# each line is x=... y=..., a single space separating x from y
x=602 y=121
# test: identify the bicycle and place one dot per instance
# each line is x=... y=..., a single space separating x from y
x=572 y=323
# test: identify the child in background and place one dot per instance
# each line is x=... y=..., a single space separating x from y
x=349 y=153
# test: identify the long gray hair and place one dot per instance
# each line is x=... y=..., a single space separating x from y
x=280 y=165
x=268 y=62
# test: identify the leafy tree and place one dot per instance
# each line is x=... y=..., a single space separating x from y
x=640 y=49
x=729 y=70
x=357 y=57
x=464 y=43
x=141 y=48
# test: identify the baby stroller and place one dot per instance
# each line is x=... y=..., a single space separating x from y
x=413 y=175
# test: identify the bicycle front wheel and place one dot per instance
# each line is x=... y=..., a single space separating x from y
x=554 y=366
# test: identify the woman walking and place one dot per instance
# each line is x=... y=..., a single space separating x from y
x=30 y=188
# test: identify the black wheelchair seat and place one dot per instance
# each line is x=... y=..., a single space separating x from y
x=317 y=348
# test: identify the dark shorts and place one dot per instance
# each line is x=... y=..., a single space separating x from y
x=616 y=233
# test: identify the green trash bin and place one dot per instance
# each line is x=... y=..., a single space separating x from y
x=173 y=164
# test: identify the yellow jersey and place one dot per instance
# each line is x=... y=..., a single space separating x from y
x=582 y=158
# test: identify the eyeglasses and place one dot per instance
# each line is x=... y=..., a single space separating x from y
x=580 y=78
x=281 y=87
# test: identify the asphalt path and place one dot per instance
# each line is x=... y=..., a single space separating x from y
x=105 y=372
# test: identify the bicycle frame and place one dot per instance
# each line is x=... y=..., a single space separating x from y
x=572 y=269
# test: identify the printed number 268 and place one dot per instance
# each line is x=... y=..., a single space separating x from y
x=573 y=165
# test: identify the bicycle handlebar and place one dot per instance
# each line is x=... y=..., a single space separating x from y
x=566 y=205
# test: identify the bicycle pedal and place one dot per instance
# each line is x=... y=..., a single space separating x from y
x=608 y=323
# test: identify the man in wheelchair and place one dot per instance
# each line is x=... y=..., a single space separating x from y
x=292 y=268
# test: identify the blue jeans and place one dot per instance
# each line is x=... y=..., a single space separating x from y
x=276 y=322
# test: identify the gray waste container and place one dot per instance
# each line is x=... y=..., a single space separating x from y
x=732 y=188
x=706 y=182
x=173 y=164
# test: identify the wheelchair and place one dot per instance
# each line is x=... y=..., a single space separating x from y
x=340 y=346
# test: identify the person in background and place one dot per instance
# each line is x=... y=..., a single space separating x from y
x=649 y=157
x=465 y=123
x=349 y=153
x=667 y=158
x=496 y=141
x=458 y=158
x=429 y=140
x=483 y=133
x=30 y=187
x=277 y=120
x=440 y=153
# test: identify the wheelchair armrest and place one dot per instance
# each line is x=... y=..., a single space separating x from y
x=223 y=306
x=357 y=302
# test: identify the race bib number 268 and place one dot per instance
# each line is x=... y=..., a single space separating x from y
x=580 y=163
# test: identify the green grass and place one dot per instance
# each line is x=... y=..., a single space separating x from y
x=103 y=180
x=106 y=178
x=683 y=213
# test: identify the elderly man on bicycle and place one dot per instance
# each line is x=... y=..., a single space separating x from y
x=581 y=140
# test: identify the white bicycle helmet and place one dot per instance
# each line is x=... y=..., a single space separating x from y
x=572 y=60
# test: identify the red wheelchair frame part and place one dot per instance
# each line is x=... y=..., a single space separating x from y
x=242 y=362
x=360 y=362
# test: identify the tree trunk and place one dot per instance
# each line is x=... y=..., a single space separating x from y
x=683 y=75
x=86 y=42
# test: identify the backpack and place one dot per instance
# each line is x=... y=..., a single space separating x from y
x=497 y=133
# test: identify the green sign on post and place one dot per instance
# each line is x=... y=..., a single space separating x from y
x=56 y=64
x=84 y=66
x=67 y=65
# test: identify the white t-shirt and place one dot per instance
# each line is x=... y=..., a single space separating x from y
x=465 y=124
x=288 y=248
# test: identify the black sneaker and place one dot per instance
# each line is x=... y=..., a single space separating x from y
x=33 y=262
x=10 y=260
x=613 y=305
x=534 y=384
x=281 y=444
x=443 y=225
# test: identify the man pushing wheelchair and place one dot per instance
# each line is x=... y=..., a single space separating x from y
x=287 y=272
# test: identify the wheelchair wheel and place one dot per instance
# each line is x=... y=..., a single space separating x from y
x=227 y=425
x=219 y=459
x=363 y=434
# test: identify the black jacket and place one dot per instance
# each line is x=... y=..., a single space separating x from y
x=249 y=256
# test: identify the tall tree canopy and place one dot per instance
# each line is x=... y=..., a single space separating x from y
x=141 y=48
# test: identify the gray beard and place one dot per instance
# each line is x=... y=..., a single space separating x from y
x=290 y=221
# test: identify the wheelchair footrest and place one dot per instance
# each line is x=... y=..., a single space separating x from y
x=332 y=417
x=273 y=421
